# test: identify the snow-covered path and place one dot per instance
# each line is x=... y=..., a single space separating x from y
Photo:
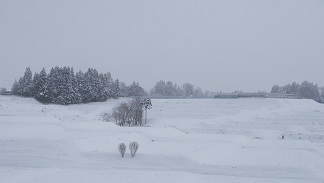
x=184 y=140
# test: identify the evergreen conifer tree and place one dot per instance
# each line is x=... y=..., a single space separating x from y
x=115 y=89
x=42 y=94
x=14 y=88
x=35 y=84
x=26 y=83
x=76 y=96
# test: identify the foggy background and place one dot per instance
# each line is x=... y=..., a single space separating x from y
x=224 y=45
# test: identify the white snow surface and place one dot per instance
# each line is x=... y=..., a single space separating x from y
x=184 y=140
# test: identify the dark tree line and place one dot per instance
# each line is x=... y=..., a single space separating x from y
x=304 y=90
x=63 y=86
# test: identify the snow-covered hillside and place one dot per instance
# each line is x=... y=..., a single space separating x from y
x=185 y=140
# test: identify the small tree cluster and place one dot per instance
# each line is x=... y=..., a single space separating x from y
x=130 y=113
x=167 y=89
x=25 y=85
x=133 y=90
x=187 y=90
x=62 y=86
x=304 y=90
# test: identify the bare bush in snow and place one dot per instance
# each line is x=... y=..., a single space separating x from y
x=130 y=113
x=133 y=147
x=122 y=149
x=136 y=112
x=106 y=117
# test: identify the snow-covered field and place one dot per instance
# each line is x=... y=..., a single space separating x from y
x=185 y=140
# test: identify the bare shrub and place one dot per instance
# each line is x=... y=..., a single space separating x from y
x=106 y=117
x=136 y=112
x=123 y=112
x=122 y=149
x=130 y=113
x=133 y=146
x=115 y=115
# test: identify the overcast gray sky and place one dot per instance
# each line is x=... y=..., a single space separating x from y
x=218 y=45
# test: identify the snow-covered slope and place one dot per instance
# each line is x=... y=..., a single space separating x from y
x=184 y=141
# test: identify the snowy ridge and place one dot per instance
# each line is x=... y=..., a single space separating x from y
x=191 y=140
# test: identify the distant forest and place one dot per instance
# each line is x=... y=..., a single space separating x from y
x=62 y=86
x=187 y=90
x=306 y=90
